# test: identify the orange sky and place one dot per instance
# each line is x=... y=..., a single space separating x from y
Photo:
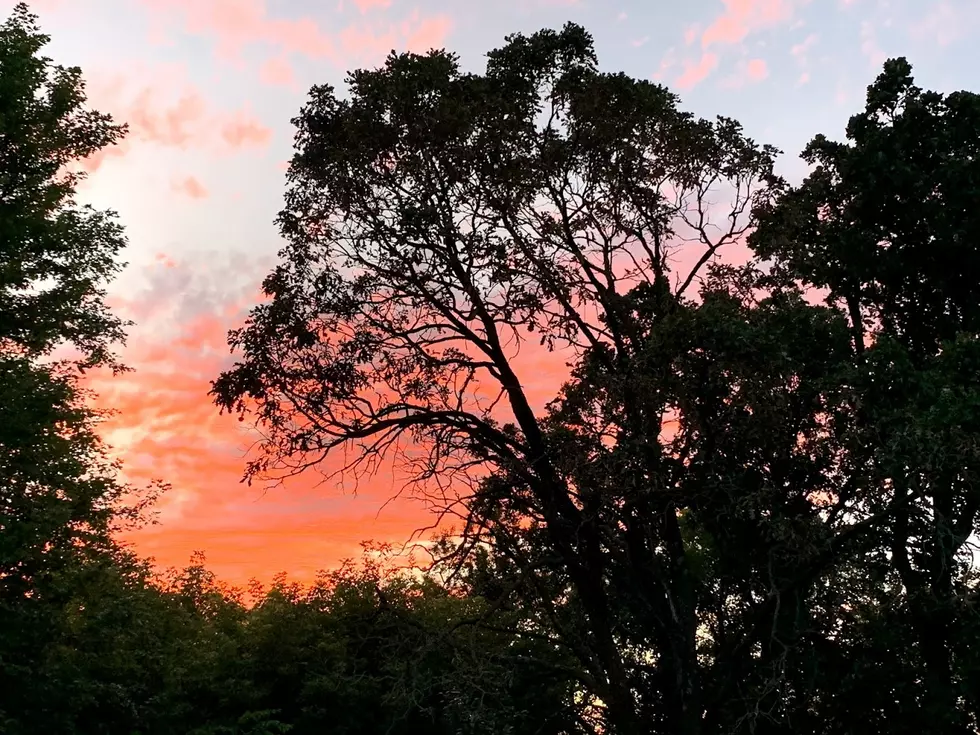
x=166 y=429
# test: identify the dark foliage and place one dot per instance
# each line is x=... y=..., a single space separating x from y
x=742 y=506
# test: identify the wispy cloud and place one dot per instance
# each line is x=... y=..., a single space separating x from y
x=235 y=25
x=869 y=45
x=945 y=23
x=728 y=31
x=185 y=120
x=742 y=17
x=190 y=186
x=696 y=72
x=276 y=70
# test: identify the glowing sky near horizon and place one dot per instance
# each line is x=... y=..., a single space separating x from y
x=208 y=88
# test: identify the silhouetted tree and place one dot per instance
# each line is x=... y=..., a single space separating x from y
x=735 y=510
x=57 y=255
x=888 y=225
x=436 y=218
x=58 y=489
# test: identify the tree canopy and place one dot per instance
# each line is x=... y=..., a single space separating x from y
x=59 y=493
x=57 y=255
x=56 y=258
x=740 y=503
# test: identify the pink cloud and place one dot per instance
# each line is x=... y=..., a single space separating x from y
x=171 y=126
x=666 y=64
x=757 y=70
x=738 y=19
x=277 y=71
x=799 y=51
x=742 y=17
x=697 y=72
x=191 y=187
x=98 y=159
x=245 y=131
x=183 y=121
x=869 y=45
x=165 y=260
x=415 y=33
x=235 y=24
x=366 y=5
x=238 y=23
x=944 y=24
x=423 y=34
x=747 y=72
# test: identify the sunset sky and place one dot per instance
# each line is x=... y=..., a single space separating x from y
x=208 y=88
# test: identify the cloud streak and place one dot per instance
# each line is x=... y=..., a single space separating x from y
x=726 y=31
x=167 y=428
x=190 y=187
x=742 y=17
x=186 y=122
x=696 y=72
x=236 y=25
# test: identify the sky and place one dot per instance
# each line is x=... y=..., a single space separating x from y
x=208 y=88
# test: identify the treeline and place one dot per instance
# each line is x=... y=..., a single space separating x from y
x=116 y=650
x=751 y=508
